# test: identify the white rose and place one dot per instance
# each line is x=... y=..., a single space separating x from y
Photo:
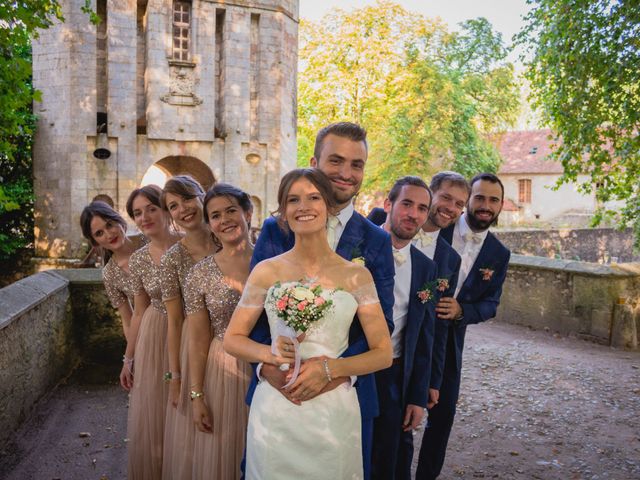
x=302 y=293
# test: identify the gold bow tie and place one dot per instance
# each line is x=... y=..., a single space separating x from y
x=399 y=257
x=423 y=239
x=473 y=237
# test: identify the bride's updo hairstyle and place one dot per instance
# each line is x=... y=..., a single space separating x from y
x=319 y=180
x=150 y=192
x=182 y=185
x=229 y=191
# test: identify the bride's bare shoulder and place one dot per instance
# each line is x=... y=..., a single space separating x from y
x=354 y=276
x=266 y=273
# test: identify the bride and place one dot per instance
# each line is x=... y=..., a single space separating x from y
x=317 y=434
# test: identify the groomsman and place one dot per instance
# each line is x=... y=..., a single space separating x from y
x=450 y=192
x=340 y=151
x=402 y=388
x=477 y=296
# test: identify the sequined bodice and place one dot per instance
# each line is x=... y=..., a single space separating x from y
x=117 y=284
x=176 y=264
x=146 y=276
x=206 y=288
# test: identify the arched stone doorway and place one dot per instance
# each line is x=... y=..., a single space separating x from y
x=167 y=167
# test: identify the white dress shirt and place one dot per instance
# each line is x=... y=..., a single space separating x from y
x=468 y=245
x=426 y=242
x=401 y=292
x=343 y=217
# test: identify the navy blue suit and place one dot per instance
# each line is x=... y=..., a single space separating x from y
x=479 y=299
x=448 y=262
x=405 y=382
x=360 y=238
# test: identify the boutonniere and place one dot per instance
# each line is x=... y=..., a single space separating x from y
x=429 y=289
x=356 y=256
x=487 y=273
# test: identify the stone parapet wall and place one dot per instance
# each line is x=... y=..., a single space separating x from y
x=596 y=302
x=50 y=323
x=35 y=347
x=597 y=245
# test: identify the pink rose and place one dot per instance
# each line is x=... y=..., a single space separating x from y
x=319 y=301
x=443 y=284
x=281 y=304
x=302 y=305
x=424 y=296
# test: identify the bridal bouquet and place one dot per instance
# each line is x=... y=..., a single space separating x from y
x=298 y=307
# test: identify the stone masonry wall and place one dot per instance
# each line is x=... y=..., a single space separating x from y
x=35 y=347
x=596 y=302
x=50 y=323
x=597 y=245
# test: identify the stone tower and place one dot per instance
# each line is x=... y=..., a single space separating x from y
x=188 y=86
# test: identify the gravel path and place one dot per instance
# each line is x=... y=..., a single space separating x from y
x=533 y=406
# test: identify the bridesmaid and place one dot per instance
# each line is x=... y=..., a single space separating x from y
x=147 y=337
x=182 y=198
x=106 y=229
x=218 y=380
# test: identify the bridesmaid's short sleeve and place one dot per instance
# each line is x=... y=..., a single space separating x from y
x=135 y=269
x=252 y=296
x=170 y=281
x=116 y=296
x=366 y=294
x=193 y=296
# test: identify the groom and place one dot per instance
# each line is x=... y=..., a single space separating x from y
x=402 y=388
x=340 y=151
x=482 y=273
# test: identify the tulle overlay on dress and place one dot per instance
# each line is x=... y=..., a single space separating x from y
x=218 y=454
x=179 y=428
x=148 y=398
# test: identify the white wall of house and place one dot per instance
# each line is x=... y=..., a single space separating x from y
x=546 y=203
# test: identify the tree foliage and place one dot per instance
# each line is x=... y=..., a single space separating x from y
x=583 y=60
x=429 y=98
x=19 y=22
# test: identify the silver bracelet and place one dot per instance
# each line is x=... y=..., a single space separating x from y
x=325 y=364
x=126 y=359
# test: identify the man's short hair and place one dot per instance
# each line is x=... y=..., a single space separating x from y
x=394 y=193
x=488 y=177
x=452 y=177
x=352 y=131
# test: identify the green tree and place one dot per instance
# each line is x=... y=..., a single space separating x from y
x=429 y=98
x=19 y=22
x=583 y=60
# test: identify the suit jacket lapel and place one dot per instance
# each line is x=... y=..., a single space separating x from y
x=447 y=233
x=414 y=302
x=351 y=238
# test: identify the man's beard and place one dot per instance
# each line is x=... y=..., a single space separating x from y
x=343 y=197
x=433 y=218
x=477 y=224
x=401 y=235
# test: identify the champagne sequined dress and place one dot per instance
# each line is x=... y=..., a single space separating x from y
x=218 y=454
x=117 y=281
x=148 y=397
x=179 y=429
x=117 y=284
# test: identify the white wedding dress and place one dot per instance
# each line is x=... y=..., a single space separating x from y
x=320 y=439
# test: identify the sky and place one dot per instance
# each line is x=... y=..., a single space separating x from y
x=504 y=15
